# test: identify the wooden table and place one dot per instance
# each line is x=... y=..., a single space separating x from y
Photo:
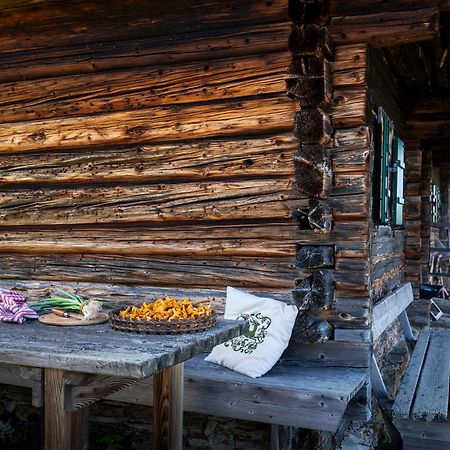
x=420 y=411
x=84 y=364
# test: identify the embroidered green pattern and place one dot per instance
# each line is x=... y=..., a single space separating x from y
x=256 y=334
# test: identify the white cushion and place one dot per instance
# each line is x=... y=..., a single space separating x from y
x=271 y=324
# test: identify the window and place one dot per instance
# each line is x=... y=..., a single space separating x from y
x=399 y=173
x=389 y=171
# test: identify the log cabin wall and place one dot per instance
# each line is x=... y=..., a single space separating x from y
x=387 y=247
x=158 y=154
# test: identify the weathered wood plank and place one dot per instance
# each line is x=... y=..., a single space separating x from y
x=237 y=158
x=99 y=350
x=386 y=29
x=39 y=26
x=270 y=240
x=151 y=203
x=432 y=394
x=406 y=392
x=272 y=398
x=387 y=310
x=168 y=393
x=129 y=294
x=168 y=123
x=180 y=271
x=145 y=51
x=122 y=90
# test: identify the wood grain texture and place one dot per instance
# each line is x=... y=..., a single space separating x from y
x=272 y=398
x=384 y=29
x=432 y=394
x=405 y=396
x=63 y=430
x=212 y=159
x=82 y=22
x=161 y=123
x=99 y=350
x=268 y=240
x=175 y=271
x=168 y=395
x=131 y=89
x=143 y=51
x=150 y=203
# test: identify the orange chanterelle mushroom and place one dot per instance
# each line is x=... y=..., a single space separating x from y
x=166 y=309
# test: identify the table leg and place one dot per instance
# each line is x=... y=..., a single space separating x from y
x=168 y=388
x=63 y=430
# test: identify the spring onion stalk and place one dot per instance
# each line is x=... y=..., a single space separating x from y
x=71 y=303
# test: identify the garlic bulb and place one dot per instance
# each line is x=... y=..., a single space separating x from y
x=91 y=309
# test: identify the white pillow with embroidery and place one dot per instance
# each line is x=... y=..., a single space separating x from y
x=271 y=324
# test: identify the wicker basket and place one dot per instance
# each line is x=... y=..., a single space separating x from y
x=161 y=326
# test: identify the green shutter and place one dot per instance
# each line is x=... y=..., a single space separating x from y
x=399 y=201
x=386 y=154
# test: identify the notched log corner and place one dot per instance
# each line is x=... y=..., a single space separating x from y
x=311 y=40
x=309 y=11
x=320 y=216
x=309 y=81
x=315 y=291
x=313 y=179
x=312 y=126
x=314 y=257
x=310 y=330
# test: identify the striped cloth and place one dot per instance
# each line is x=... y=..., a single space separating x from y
x=14 y=308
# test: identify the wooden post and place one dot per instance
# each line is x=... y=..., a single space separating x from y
x=168 y=388
x=63 y=430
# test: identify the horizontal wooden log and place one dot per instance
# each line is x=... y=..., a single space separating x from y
x=312 y=126
x=350 y=183
x=349 y=107
x=166 y=123
x=269 y=240
x=352 y=138
x=348 y=162
x=278 y=273
x=236 y=158
x=386 y=29
x=149 y=203
x=342 y=7
x=41 y=26
x=96 y=57
x=129 y=294
x=355 y=207
x=82 y=95
x=350 y=65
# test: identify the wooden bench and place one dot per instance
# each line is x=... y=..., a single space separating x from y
x=420 y=410
x=385 y=312
x=291 y=394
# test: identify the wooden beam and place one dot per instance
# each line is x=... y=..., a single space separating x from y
x=386 y=311
x=386 y=29
x=168 y=393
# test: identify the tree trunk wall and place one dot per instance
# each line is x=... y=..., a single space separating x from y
x=159 y=153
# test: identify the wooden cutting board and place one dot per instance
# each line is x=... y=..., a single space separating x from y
x=53 y=319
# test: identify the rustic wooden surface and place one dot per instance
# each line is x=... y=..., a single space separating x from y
x=286 y=395
x=168 y=393
x=420 y=410
x=53 y=319
x=101 y=350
